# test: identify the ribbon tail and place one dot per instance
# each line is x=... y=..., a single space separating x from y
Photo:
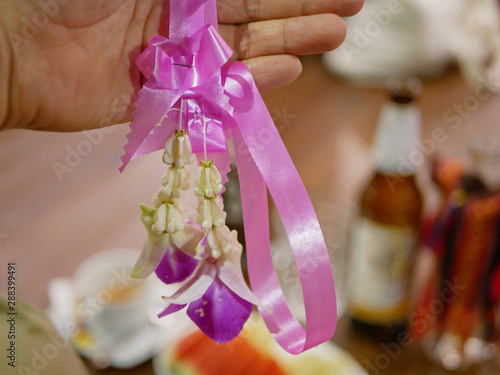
x=266 y=162
x=157 y=138
x=151 y=107
x=223 y=162
x=254 y=202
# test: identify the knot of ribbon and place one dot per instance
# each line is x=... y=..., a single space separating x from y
x=188 y=64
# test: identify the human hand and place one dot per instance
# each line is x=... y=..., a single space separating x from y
x=76 y=71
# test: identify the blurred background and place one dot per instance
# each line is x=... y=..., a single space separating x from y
x=62 y=198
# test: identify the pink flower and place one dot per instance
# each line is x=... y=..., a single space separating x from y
x=173 y=255
x=219 y=299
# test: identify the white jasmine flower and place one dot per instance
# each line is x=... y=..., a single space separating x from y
x=211 y=213
x=178 y=150
x=208 y=180
x=219 y=241
x=167 y=218
x=176 y=180
x=160 y=197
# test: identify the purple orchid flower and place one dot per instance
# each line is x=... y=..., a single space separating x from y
x=173 y=255
x=220 y=302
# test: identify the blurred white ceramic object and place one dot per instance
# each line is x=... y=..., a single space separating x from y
x=109 y=317
x=477 y=44
x=420 y=38
x=112 y=302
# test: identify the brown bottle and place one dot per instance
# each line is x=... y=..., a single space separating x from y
x=384 y=235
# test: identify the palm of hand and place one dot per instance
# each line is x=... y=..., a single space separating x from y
x=84 y=72
x=78 y=72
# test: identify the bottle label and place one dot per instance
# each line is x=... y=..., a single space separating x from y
x=380 y=271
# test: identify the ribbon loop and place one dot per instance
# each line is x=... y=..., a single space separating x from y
x=263 y=160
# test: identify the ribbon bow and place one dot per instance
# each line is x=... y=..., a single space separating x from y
x=190 y=69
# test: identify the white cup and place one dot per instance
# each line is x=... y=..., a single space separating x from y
x=113 y=304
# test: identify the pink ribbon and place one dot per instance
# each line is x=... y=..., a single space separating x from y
x=190 y=70
x=228 y=98
x=263 y=160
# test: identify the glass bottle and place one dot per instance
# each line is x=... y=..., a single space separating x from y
x=384 y=236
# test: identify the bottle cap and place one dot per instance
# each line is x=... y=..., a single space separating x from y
x=403 y=90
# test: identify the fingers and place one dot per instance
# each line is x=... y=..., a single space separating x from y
x=272 y=72
x=267 y=34
x=296 y=36
x=243 y=11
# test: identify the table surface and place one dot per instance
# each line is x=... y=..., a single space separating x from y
x=57 y=208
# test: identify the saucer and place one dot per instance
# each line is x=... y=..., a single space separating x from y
x=123 y=350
